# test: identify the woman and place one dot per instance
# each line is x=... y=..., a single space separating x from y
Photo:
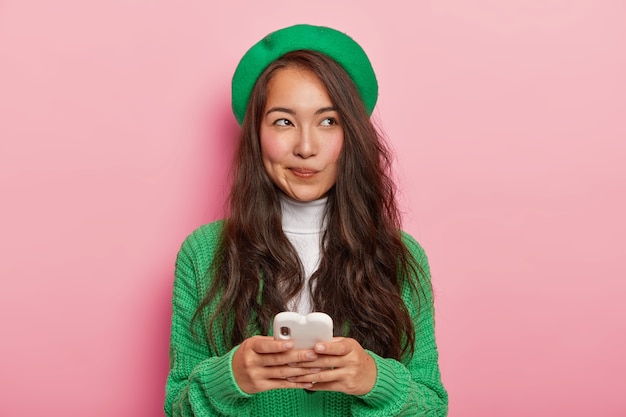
x=313 y=226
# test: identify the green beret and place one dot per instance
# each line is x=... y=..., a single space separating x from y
x=331 y=42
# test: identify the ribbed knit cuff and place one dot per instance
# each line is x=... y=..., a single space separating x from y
x=216 y=378
x=392 y=384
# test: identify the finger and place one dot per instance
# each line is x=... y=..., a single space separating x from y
x=281 y=383
x=267 y=344
x=260 y=379
x=323 y=376
x=321 y=386
x=323 y=361
x=286 y=371
x=289 y=373
x=285 y=380
x=334 y=380
x=303 y=356
x=302 y=385
x=290 y=357
x=337 y=348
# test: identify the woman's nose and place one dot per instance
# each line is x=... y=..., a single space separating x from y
x=306 y=144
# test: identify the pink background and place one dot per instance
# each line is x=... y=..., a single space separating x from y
x=509 y=123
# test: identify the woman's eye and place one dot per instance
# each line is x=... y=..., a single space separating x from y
x=282 y=122
x=329 y=121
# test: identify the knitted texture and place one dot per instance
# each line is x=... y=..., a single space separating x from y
x=201 y=381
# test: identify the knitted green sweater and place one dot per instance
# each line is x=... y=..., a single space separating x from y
x=201 y=382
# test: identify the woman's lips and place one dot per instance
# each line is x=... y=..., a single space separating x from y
x=302 y=172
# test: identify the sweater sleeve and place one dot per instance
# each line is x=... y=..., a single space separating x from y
x=199 y=382
x=412 y=387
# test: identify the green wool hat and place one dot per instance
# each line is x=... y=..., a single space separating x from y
x=331 y=42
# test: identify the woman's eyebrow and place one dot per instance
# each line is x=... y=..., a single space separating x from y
x=325 y=109
x=280 y=109
x=292 y=112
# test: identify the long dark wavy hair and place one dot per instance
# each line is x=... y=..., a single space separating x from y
x=364 y=264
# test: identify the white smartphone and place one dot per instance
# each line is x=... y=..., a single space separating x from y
x=304 y=330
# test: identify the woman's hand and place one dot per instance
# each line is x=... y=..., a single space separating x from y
x=262 y=363
x=345 y=367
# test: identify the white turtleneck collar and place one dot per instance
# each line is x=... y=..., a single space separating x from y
x=303 y=224
x=302 y=217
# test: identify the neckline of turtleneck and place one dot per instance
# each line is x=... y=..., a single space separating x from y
x=302 y=217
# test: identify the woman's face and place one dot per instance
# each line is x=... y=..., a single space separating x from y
x=301 y=135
